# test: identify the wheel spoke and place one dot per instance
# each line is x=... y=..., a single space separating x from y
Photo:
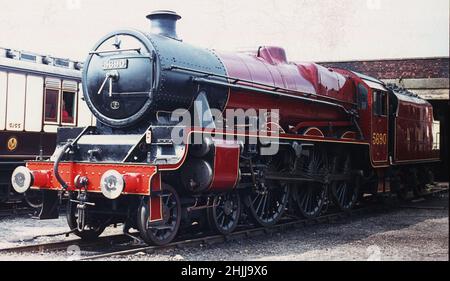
x=311 y=196
x=222 y=213
x=267 y=203
x=263 y=210
x=344 y=191
x=340 y=193
x=254 y=200
x=222 y=221
x=259 y=204
x=308 y=200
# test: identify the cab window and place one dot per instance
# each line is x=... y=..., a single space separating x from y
x=379 y=103
x=362 y=97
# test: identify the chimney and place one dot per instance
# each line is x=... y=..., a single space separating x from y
x=164 y=23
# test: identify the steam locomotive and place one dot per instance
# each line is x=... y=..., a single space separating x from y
x=263 y=136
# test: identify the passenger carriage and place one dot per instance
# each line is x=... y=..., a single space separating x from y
x=38 y=94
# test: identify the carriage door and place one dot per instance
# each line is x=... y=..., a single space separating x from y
x=379 y=127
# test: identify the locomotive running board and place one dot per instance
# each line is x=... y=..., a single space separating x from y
x=323 y=178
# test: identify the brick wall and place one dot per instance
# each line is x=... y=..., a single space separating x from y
x=398 y=68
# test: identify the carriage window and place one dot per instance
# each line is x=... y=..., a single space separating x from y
x=68 y=107
x=379 y=103
x=51 y=105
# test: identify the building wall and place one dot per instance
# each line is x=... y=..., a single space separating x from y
x=427 y=77
x=398 y=68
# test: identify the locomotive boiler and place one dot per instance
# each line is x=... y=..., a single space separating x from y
x=338 y=134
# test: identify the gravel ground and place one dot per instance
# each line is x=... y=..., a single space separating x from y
x=23 y=230
x=406 y=234
x=403 y=234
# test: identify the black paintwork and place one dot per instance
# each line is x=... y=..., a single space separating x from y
x=148 y=84
x=164 y=23
x=29 y=144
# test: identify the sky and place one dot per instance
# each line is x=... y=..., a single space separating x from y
x=309 y=30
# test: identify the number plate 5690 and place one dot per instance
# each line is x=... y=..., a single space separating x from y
x=115 y=64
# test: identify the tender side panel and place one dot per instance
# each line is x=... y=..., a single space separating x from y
x=414 y=132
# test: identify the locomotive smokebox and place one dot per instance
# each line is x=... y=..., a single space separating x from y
x=130 y=75
x=164 y=22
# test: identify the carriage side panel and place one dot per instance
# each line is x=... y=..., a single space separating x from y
x=15 y=102
x=34 y=103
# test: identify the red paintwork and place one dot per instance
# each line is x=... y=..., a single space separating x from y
x=314 y=132
x=155 y=202
x=137 y=177
x=308 y=124
x=41 y=177
x=269 y=66
x=226 y=165
x=380 y=127
x=413 y=131
x=349 y=135
x=371 y=124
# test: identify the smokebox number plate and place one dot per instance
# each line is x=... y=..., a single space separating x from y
x=115 y=64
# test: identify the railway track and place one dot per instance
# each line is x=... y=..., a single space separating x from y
x=123 y=245
x=120 y=245
x=63 y=245
x=236 y=235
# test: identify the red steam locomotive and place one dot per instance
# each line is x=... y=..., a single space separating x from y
x=338 y=134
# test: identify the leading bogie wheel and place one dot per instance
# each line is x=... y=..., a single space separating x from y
x=164 y=231
x=94 y=226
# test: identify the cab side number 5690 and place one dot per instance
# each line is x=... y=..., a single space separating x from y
x=379 y=138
